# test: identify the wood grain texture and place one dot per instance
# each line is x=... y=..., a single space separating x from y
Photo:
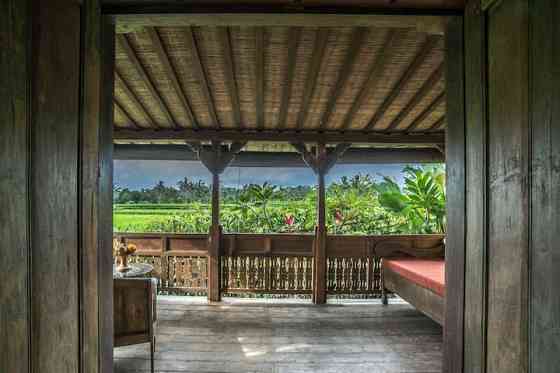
x=545 y=187
x=239 y=336
x=55 y=182
x=88 y=225
x=14 y=191
x=508 y=193
x=105 y=198
x=476 y=179
x=455 y=160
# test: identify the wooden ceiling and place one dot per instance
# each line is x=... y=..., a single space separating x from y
x=372 y=80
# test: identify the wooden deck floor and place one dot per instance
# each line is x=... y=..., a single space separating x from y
x=250 y=336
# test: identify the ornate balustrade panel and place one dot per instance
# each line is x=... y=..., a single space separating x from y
x=179 y=260
x=266 y=274
x=275 y=263
x=187 y=274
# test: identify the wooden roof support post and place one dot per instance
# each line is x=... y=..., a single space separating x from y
x=320 y=249
x=216 y=159
x=321 y=162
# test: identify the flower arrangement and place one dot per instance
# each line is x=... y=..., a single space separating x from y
x=121 y=251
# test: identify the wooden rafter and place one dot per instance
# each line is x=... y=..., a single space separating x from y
x=425 y=113
x=171 y=74
x=425 y=51
x=201 y=75
x=125 y=45
x=321 y=38
x=132 y=97
x=259 y=79
x=375 y=71
x=276 y=136
x=438 y=124
x=293 y=42
x=417 y=98
x=357 y=39
x=225 y=38
x=125 y=114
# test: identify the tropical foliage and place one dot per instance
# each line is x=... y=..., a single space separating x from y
x=357 y=205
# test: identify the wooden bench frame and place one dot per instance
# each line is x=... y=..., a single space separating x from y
x=423 y=299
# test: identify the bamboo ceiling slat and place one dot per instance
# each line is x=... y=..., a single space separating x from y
x=139 y=51
x=334 y=55
x=294 y=36
x=427 y=115
x=280 y=78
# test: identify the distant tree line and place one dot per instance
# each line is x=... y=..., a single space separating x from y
x=188 y=191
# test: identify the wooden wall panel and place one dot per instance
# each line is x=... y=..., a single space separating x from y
x=476 y=140
x=508 y=182
x=544 y=298
x=455 y=168
x=14 y=192
x=54 y=182
x=105 y=197
x=55 y=188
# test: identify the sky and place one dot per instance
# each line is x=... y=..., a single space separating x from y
x=138 y=174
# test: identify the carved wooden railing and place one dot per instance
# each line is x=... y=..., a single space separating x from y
x=353 y=263
x=270 y=263
x=273 y=263
x=180 y=261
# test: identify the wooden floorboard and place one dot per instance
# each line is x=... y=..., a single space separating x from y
x=287 y=336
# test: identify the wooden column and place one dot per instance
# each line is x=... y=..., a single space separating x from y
x=512 y=301
x=214 y=243
x=216 y=158
x=455 y=158
x=476 y=154
x=320 y=249
x=321 y=162
x=544 y=92
x=55 y=192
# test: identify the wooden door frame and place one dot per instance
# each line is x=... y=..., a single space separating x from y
x=455 y=143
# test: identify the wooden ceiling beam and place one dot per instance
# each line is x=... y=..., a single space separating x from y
x=321 y=38
x=132 y=97
x=225 y=38
x=425 y=51
x=125 y=114
x=135 y=16
x=201 y=74
x=125 y=45
x=373 y=77
x=279 y=159
x=259 y=78
x=279 y=136
x=425 y=113
x=293 y=41
x=358 y=37
x=417 y=98
x=171 y=74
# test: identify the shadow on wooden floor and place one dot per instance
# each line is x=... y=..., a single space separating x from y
x=282 y=336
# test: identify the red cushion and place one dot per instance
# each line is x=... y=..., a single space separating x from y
x=428 y=273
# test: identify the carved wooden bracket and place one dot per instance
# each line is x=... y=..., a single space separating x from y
x=324 y=159
x=216 y=157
